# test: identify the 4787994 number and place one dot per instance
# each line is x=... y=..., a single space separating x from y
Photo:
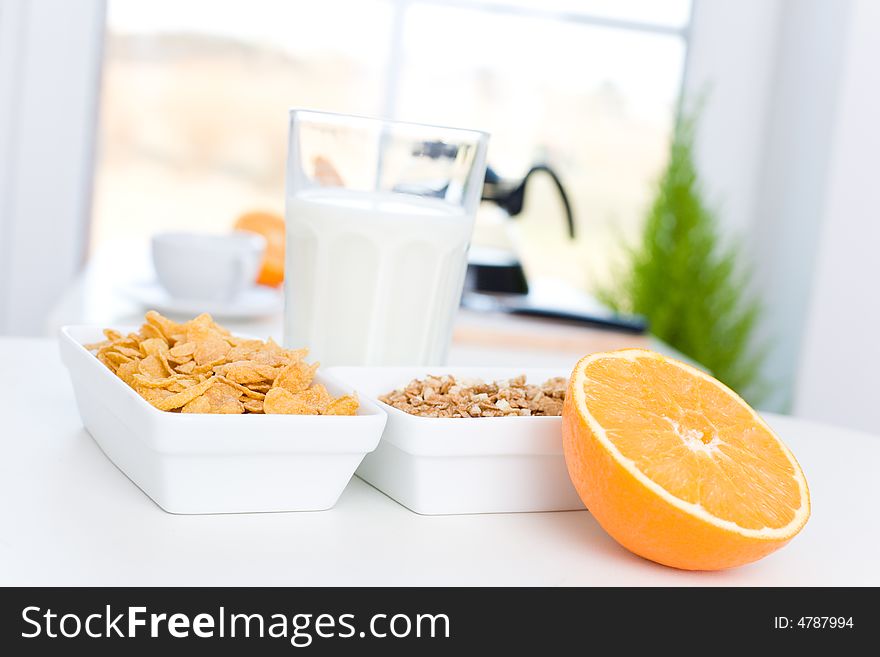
x=813 y=622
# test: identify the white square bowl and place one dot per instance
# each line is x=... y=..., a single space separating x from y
x=200 y=463
x=464 y=465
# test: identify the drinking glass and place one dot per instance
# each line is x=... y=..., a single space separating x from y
x=379 y=219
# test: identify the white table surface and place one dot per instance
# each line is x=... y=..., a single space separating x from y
x=69 y=517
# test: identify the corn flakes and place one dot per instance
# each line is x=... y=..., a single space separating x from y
x=199 y=367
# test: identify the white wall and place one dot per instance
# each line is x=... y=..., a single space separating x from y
x=50 y=58
x=770 y=69
x=729 y=74
x=788 y=148
x=793 y=172
x=839 y=379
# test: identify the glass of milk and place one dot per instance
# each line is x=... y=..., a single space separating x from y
x=379 y=219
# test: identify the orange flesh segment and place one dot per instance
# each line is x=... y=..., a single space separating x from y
x=694 y=439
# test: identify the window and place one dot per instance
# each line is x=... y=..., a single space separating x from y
x=194 y=123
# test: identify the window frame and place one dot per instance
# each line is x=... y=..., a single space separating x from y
x=47 y=154
x=394 y=63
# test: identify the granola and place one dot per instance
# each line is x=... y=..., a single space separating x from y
x=446 y=396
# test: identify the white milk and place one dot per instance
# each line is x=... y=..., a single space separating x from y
x=373 y=278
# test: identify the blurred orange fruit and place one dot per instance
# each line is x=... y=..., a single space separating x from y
x=675 y=466
x=270 y=226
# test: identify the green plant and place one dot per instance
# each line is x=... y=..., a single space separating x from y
x=690 y=283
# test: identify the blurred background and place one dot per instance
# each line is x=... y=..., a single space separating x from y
x=120 y=119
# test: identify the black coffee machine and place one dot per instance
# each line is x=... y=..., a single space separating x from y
x=496 y=280
x=491 y=271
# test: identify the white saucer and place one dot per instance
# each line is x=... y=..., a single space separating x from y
x=257 y=301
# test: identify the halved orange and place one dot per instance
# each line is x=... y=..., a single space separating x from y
x=675 y=466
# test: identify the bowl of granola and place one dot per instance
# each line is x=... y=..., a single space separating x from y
x=467 y=439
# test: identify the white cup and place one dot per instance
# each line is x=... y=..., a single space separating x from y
x=206 y=267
